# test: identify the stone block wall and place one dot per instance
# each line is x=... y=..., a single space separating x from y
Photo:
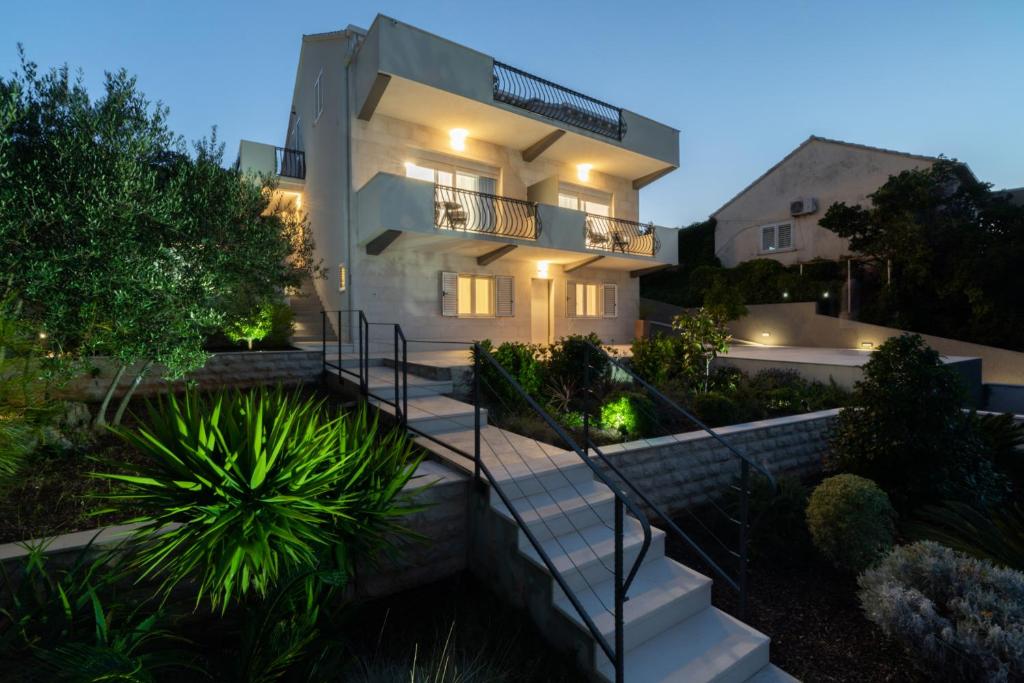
x=231 y=369
x=682 y=470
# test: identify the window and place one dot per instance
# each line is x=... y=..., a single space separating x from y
x=318 y=96
x=469 y=295
x=776 y=237
x=451 y=176
x=580 y=199
x=295 y=135
x=592 y=300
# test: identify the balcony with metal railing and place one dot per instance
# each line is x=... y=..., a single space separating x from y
x=290 y=163
x=287 y=166
x=480 y=212
x=621 y=236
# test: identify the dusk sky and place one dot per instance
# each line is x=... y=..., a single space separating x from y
x=744 y=82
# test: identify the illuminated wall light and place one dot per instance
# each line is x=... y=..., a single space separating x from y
x=457 y=136
x=785 y=295
x=766 y=334
x=583 y=171
x=867 y=345
x=542 y=269
x=342 y=277
x=824 y=295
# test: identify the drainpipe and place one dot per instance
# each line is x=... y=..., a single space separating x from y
x=356 y=36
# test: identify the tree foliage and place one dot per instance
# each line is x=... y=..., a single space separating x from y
x=120 y=240
x=955 y=249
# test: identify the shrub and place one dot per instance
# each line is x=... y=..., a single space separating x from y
x=269 y=321
x=959 y=618
x=715 y=409
x=904 y=428
x=997 y=535
x=522 y=362
x=630 y=414
x=778 y=522
x=262 y=484
x=702 y=335
x=566 y=359
x=282 y=326
x=653 y=359
x=851 y=521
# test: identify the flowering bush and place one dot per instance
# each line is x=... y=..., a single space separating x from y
x=959 y=617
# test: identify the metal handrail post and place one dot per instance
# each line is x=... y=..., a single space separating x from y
x=744 y=514
x=398 y=405
x=339 y=342
x=323 y=338
x=620 y=597
x=476 y=412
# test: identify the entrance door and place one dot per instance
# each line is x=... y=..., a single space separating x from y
x=540 y=311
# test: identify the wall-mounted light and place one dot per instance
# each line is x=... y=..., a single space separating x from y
x=785 y=295
x=583 y=171
x=766 y=334
x=342 y=277
x=867 y=345
x=824 y=295
x=457 y=137
x=298 y=202
x=542 y=269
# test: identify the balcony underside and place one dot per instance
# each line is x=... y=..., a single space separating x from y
x=507 y=126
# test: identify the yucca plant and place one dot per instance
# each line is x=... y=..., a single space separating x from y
x=241 y=488
x=997 y=535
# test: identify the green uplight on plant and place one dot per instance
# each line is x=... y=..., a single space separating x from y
x=619 y=415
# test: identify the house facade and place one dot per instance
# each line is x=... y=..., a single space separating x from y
x=464 y=198
x=777 y=215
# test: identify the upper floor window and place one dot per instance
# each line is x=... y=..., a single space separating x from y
x=589 y=201
x=776 y=237
x=318 y=96
x=451 y=176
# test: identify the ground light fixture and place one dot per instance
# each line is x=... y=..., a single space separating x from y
x=457 y=137
x=867 y=345
x=583 y=171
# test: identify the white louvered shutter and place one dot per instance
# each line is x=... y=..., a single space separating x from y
x=449 y=294
x=504 y=296
x=610 y=300
x=784 y=237
x=570 y=299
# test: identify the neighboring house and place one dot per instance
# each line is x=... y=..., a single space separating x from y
x=1015 y=195
x=777 y=215
x=464 y=198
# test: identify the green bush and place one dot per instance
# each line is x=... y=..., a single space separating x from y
x=282 y=326
x=959 y=618
x=906 y=430
x=778 y=522
x=851 y=521
x=715 y=409
x=630 y=414
x=268 y=321
x=565 y=359
x=519 y=360
x=652 y=359
x=262 y=484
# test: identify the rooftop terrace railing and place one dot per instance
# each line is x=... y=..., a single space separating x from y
x=290 y=163
x=526 y=91
x=472 y=211
x=620 y=235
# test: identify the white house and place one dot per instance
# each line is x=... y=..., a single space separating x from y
x=777 y=215
x=464 y=198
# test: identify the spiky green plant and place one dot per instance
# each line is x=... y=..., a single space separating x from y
x=242 y=488
x=996 y=535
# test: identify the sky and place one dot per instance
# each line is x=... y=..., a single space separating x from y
x=744 y=82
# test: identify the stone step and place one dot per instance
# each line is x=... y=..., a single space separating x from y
x=772 y=674
x=663 y=594
x=382 y=383
x=709 y=646
x=434 y=414
x=563 y=509
x=585 y=558
x=520 y=476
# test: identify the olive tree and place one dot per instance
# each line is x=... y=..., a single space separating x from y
x=120 y=240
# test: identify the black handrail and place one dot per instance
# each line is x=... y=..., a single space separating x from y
x=738 y=584
x=533 y=93
x=621 y=235
x=472 y=211
x=290 y=163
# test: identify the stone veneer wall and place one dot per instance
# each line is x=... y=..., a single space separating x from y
x=231 y=369
x=685 y=469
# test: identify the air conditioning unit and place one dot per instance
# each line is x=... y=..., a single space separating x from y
x=803 y=206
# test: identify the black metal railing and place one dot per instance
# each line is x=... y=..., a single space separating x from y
x=290 y=163
x=472 y=211
x=738 y=519
x=619 y=235
x=526 y=91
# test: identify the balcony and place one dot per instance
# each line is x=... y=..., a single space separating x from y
x=290 y=163
x=286 y=166
x=397 y=213
x=532 y=93
x=619 y=235
x=479 y=212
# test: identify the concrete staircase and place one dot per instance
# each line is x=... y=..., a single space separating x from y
x=306 y=307
x=672 y=632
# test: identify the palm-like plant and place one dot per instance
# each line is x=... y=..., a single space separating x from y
x=240 y=489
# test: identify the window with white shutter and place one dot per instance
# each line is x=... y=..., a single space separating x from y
x=610 y=307
x=505 y=296
x=589 y=299
x=776 y=237
x=449 y=294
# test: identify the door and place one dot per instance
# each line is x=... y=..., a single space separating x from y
x=540 y=311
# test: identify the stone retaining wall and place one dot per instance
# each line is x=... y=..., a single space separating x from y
x=685 y=469
x=230 y=369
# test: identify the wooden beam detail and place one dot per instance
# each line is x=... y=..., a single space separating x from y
x=648 y=271
x=380 y=84
x=492 y=256
x=570 y=267
x=651 y=177
x=541 y=146
x=378 y=244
